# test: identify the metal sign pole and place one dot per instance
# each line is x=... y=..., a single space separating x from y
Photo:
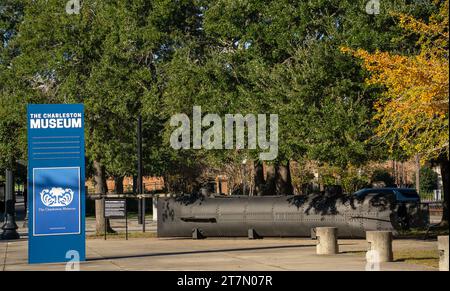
x=104 y=214
x=10 y=226
x=143 y=214
x=126 y=220
x=140 y=189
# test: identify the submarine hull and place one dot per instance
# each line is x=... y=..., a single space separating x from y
x=274 y=216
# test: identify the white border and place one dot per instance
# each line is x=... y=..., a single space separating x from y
x=79 y=202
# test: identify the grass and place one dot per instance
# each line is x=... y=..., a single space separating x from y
x=428 y=258
x=422 y=233
x=121 y=235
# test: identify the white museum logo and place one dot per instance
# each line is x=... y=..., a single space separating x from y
x=56 y=197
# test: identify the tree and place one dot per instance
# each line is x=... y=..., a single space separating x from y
x=428 y=180
x=283 y=57
x=12 y=91
x=158 y=58
x=319 y=93
x=413 y=111
x=104 y=57
x=382 y=175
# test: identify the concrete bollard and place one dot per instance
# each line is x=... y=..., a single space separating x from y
x=326 y=241
x=197 y=234
x=443 y=252
x=381 y=243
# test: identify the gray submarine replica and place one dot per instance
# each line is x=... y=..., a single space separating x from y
x=198 y=216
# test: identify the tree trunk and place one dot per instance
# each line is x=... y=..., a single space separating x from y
x=166 y=185
x=100 y=188
x=417 y=159
x=259 y=178
x=445 y=172
x=283 y=180
x=135 y=184
x=118 y=184
x=269 y=188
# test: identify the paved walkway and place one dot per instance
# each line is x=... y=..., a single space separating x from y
x=212 y=254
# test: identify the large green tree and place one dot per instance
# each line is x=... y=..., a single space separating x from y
x=105 y=57
x=158 y=58
x=284 y=57
x=12 y=91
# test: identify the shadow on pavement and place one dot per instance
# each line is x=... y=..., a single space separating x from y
x=197 y=252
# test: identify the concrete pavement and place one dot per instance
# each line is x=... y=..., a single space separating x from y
x=213 y=254
x=269 y=254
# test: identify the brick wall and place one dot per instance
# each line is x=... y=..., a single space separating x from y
x=150 y=184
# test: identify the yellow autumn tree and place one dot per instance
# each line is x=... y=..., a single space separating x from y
x=413 y=110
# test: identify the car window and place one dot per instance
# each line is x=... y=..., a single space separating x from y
x=373 y=191
x=388 y=191
x=361 y=192
x=380 y=191
x=409 y=193
x=380 y=196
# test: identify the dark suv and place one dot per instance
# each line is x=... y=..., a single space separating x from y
x=400 y=194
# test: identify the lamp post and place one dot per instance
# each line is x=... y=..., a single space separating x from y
x=22 y=167
x=140 y=190
x=25 y=204
x=10 y=226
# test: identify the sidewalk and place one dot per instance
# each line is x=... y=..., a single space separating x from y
x=212 y=254
x=267 y=254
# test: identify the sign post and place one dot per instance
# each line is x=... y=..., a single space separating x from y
x=56 y=176
x=116 y=208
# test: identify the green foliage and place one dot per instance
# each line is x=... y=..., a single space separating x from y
x=352 y=183
x=382 y=175
x=328 y=175
x=106 y=57
x=350 y=178
x=161 y=57
x=301 y=176
x=428 y=180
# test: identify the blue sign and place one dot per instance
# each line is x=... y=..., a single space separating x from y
x=56 y=171
x=56 y=208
